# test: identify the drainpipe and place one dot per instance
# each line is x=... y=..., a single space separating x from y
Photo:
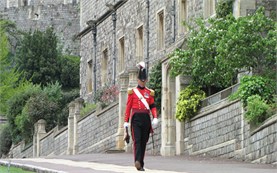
x=92 y=24
x=174 y=21
x=147 y=35
x=114 y=45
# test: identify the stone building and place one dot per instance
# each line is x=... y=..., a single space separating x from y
x=117 y=34
x=62 y=15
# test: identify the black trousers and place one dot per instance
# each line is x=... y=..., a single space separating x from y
x=141 y=125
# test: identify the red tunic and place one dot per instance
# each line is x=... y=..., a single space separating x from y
x=134 y=103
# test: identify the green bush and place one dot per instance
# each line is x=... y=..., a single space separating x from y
x=254 y=85
x=256 y=110
x=106 y=95
x=67 y=97
x=189 y=102
x=88 y=107
x=5 y=140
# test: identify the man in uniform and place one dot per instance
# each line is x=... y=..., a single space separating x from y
x=139 y=104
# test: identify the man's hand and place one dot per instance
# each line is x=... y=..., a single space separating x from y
x=155 y=122
x=126 y=125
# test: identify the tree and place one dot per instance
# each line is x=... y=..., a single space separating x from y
x=218 y=50
x=250 y=43
x=38 y=57
x=69 y=76
x=9 y=77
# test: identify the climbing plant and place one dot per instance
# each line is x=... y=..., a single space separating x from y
x=155 y=83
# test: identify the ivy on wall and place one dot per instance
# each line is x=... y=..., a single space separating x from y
x=155 y=83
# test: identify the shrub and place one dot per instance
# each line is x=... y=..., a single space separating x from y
x=106 y=95
x=254 y=85
x=256 y=110
x=189 y=102
x=5 y=140
x=88 y=107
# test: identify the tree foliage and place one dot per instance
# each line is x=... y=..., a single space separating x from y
x=39 y=61
x=38 y=57
x=217 y=50
x=5 y=140
x=69 y=74
x=10 y=82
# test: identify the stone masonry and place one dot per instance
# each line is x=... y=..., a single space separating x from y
x=63 y=17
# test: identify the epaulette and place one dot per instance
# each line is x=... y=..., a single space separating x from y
x=130 y=90
x=152 y=92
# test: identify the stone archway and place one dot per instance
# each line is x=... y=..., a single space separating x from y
x=168 y=121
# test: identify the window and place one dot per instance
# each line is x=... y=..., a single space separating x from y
x=139 y=44
x=209 y=8
x=104 y=67
x=160 y=30
x=183 y=13
x=121 y=54
x=89 y=77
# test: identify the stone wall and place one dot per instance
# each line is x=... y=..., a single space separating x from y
x=64 y=18
x=261 y=144
x=129 y=16
x=216 y=131
x=54 y=143
x=220 y=130
x=97 y=131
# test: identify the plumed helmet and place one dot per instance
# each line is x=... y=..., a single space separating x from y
x=142 y=74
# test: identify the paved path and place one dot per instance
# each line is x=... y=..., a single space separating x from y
x=123 y=163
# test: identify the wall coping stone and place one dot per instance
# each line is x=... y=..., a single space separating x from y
x=88 y=114
x=106 y=109
x=268 y=122
x=60 y=131
x=214 y=107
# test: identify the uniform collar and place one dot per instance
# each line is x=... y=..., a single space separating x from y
x=140 y=87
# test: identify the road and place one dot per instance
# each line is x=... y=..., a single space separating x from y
x=123 y=163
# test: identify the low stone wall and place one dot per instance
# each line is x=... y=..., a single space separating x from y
x=220 y=130
x=21 y=151
x=216 y=131
x=261 y=144
x=97 y=132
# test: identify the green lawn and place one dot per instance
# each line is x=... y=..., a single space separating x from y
x=4 y=169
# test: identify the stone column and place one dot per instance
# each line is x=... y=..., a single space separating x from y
x=70 y=128
x=132 y=83
x=124 y=80
x=181 y=83
x=78 y=104
x=168 y=136
x=38 y=135
x=243 y=8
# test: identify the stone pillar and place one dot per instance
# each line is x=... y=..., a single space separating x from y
x=38 y=135
x=181 y=83
x=124 y=80
x=70 y=128
x=243 y=8
x=168 y=136
x=78 y=104
x=132 y=83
